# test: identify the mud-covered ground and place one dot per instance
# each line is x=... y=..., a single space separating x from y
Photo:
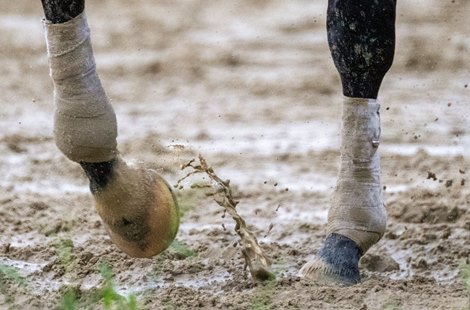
x=250 y=85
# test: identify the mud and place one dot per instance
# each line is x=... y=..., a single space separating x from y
x=251 y=86
x=256 y=260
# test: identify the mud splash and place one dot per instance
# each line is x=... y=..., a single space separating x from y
x=256 y=259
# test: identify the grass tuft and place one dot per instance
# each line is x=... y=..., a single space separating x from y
x=110 y=297
x=181 y=249
x=68 y=300
x=465 y=273
x=107 y=294
x=9 y=277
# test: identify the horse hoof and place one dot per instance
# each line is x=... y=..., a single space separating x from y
x=337 y=262
x=138 y=209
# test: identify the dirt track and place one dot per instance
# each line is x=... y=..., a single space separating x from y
x=249 y=84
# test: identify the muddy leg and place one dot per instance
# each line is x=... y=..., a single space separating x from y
x=361 y=36
x=136 y=205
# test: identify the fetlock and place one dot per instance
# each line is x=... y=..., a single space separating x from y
x=357 y=210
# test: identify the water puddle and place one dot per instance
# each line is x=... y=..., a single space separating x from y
x=402 y=258
x=445 y=275
x=24 y=268
x=434 y=150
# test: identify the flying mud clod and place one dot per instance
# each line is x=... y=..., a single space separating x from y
x=256 y=259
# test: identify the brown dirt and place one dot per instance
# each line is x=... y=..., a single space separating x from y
x=251 y=86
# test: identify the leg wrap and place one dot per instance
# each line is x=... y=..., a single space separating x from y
x=85 y=126
x=357 y=210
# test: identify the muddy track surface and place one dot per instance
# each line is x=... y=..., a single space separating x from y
x=251 y=86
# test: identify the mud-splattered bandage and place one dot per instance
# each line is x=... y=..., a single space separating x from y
x=357 y=210
x=85 y=126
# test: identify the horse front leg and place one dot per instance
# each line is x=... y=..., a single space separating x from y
x=137 y=206
x=361 y=36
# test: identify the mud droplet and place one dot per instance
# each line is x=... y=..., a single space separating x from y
x=269 y=229
x=432 y=175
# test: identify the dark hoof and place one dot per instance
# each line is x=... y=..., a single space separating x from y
x=337 y=262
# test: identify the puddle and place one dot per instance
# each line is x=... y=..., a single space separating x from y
x=197 y=282
x=445 y=275
x=24 y=268
x=401 y=257
x=159 y=282
x=283 y=174
x=433 y=150
x=26 y=29
x=51 y=187
x=30 y=239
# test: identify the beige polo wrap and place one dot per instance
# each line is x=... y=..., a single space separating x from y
x=357 y=209
x=85 y=126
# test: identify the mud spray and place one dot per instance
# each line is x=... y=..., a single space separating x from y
x=257 y=261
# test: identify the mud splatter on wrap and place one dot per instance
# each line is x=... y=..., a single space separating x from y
x=357 y=210
x=85 y=126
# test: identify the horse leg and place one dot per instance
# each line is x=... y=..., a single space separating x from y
x=137 y=206
x=61 y=11
x=361 y=37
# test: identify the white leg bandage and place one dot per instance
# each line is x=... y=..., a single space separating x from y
x=357 y=210
x=84 y=123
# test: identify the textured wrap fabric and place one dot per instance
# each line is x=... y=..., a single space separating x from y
x=357 y=210
x=85 y=127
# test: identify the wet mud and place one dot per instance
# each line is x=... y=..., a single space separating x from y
x=251 y=86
